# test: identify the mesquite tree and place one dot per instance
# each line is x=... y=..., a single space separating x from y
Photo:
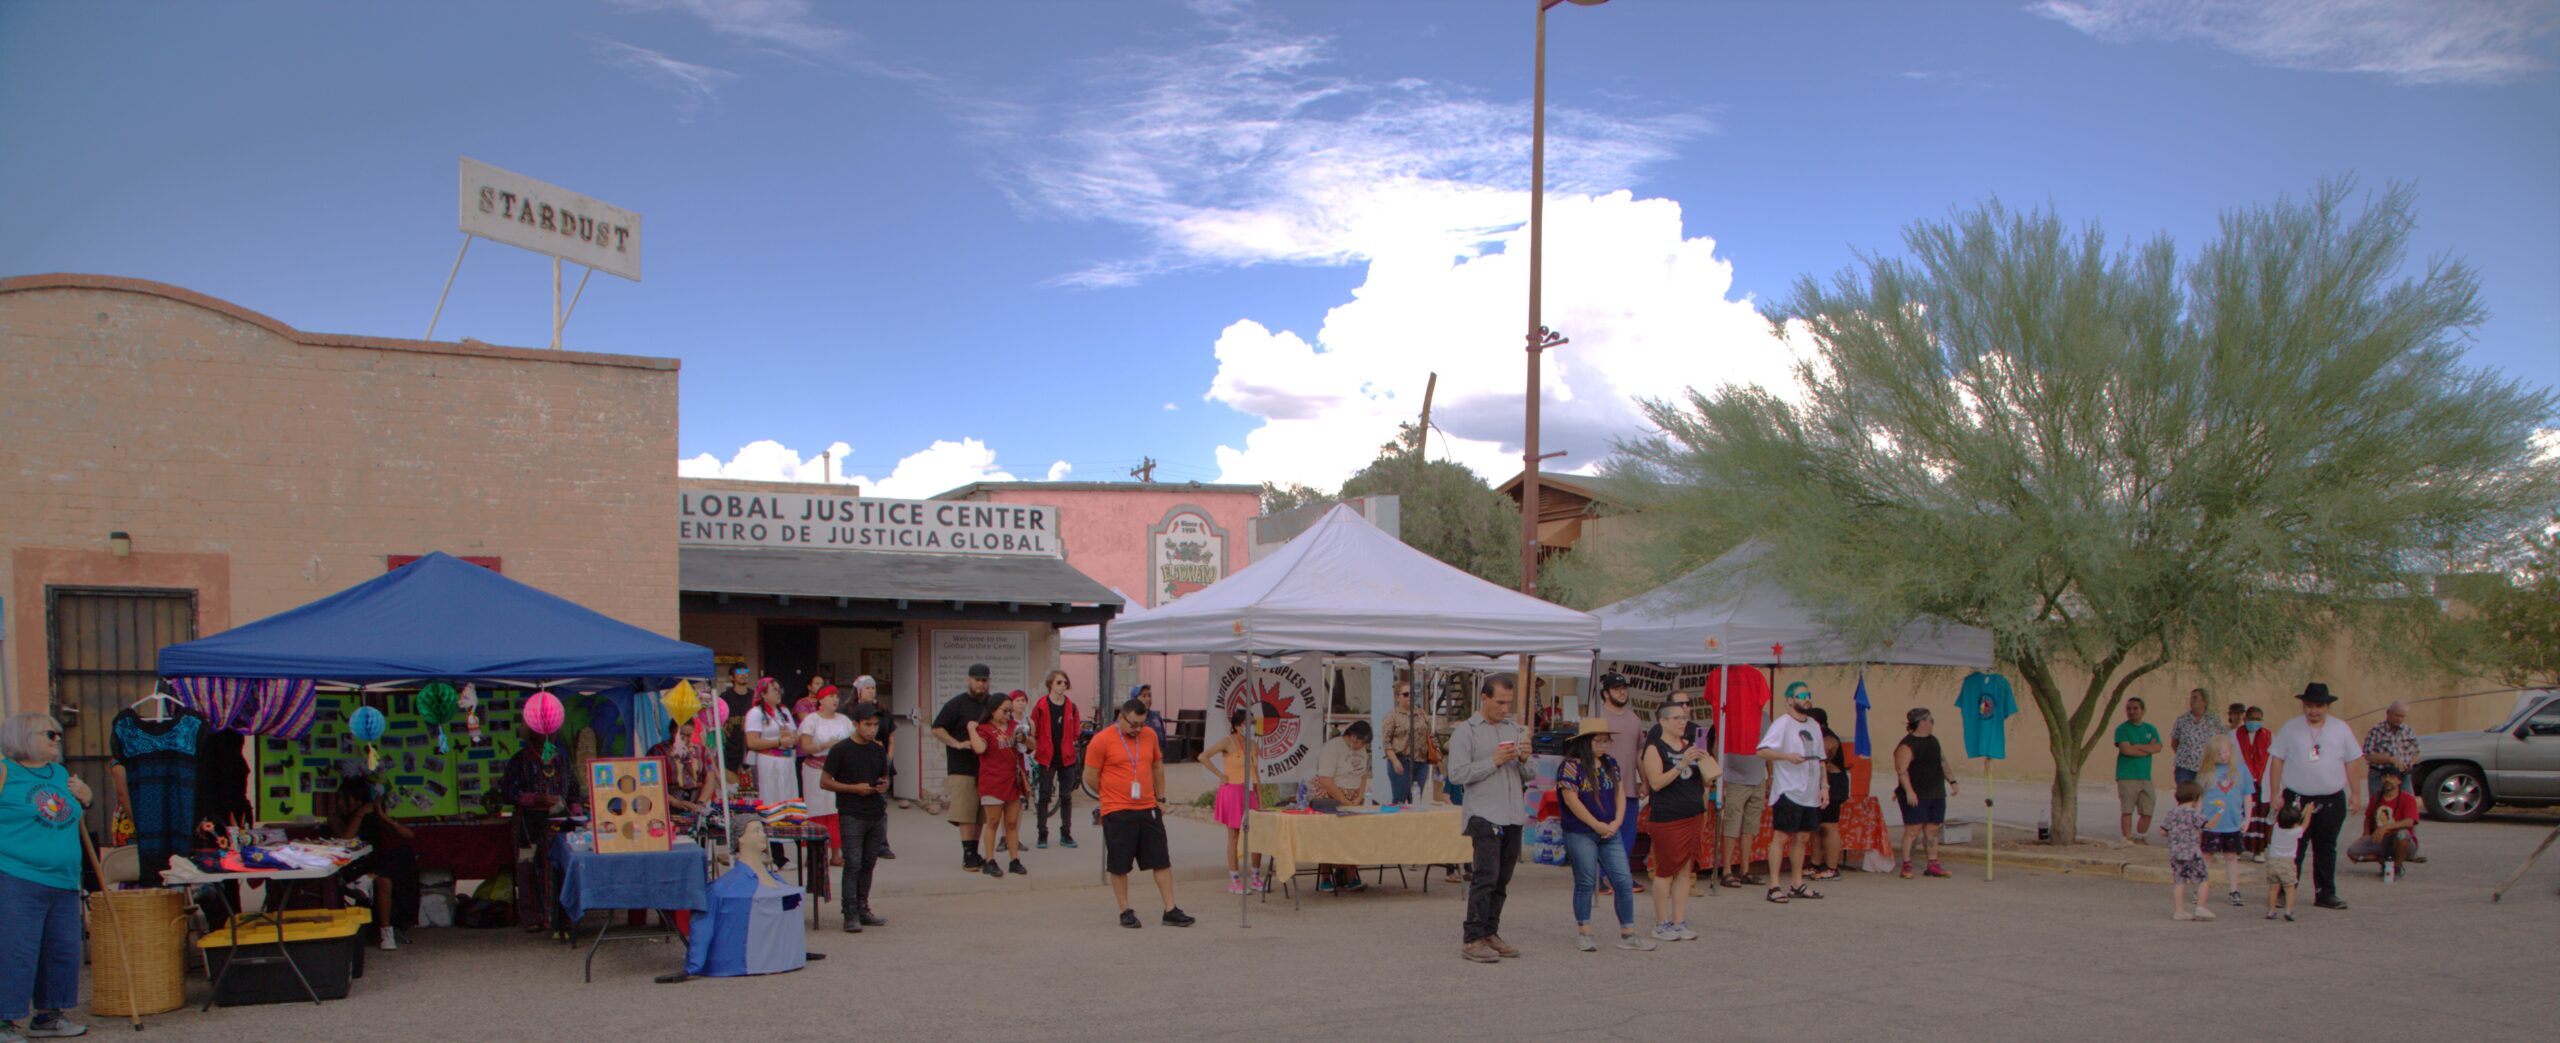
x=2114 y=459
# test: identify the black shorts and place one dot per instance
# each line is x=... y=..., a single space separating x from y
x=1831 y=814
x=2223 y=843
x=1134 y=837
x=1787 y=816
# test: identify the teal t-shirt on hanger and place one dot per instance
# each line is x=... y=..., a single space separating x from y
x=1986 y=705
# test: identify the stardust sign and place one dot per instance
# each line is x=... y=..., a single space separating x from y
x=1288 y=722
x=797 y=521
x=548 y=219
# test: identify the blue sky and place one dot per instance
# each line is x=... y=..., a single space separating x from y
x=1033 y=239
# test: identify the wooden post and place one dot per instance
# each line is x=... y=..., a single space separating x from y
x=1987 y=819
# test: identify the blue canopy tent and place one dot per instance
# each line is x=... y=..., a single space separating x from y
x=440 y=618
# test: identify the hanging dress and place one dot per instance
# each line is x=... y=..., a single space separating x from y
x=159 y=760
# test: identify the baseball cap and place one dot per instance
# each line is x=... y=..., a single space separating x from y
x=978 y=672
x=864 y=711
x=1614 y=679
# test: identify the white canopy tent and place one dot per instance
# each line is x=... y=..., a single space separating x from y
x=1734 y=609
x=1345 y=588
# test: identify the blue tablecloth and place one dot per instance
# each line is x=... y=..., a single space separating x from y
x=671 y=879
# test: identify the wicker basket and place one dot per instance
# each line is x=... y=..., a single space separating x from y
x=148 y=930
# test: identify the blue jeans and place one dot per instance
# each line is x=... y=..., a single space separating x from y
x=1402 y=785
x=39 y=948
x=1592 y=856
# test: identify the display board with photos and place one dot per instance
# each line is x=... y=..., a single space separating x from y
x=296 y=777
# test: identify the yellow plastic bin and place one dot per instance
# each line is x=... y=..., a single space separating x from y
x=324 y=944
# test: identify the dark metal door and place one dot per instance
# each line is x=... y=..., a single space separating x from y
x=790 y=656
x=103 y=645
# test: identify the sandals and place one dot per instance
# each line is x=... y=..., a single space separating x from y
x=1802 y=891
x=1778 y=895
x=1823 y=873
x=1730 y=880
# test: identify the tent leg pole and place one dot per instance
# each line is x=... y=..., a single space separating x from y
x=1989 y=818
x=1253 y=779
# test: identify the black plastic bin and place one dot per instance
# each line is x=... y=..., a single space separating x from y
x=326 y=946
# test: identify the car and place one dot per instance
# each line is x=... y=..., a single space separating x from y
x=2464 y=774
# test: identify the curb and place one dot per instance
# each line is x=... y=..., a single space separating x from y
x=2138 y=872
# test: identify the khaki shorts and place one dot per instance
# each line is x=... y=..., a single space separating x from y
x=1743 y=804
x=2134 y=796
x=2281 y=872
x=962 y=792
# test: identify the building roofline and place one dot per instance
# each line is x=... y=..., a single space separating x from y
x=974 y=488
x=1589 y=486
x=226 y=309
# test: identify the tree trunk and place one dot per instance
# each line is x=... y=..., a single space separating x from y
x=2066 y=794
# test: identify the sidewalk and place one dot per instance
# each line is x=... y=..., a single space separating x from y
x=928 y=861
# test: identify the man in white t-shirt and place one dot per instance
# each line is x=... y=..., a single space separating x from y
x=1793 y=748
x=2308 y=765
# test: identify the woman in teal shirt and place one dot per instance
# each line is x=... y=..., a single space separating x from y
x=40 y=808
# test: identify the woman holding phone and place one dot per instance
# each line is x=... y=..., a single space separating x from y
x=1677 y=770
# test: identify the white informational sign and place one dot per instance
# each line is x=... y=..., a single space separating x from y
x=1007 y=654
x=548 y=219
x=831 y=522
x=1289 y=722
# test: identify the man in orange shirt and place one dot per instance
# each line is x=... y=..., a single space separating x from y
x=1125 y=765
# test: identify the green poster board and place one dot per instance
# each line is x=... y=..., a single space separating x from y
x=296 y=776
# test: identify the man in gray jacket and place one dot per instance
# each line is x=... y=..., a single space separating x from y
x=1489 y=755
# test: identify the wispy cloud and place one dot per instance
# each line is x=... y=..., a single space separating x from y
x=1244 y=147
x=2413 y=41
x=697 y=87
x=788 y=25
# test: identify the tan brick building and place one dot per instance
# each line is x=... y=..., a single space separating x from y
x=251 y=467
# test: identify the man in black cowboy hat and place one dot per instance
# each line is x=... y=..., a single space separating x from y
x=2310 y=763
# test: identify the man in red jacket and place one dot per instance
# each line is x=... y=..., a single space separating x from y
x=1053 y=757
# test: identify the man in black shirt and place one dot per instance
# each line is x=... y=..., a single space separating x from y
x=866 y=692
x=951 y=728
x=857 y=772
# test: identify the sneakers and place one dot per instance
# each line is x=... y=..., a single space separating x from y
x=1129 y=920
x=1501 y=948
x=853 y=924
x=990 y=868
x=1479 y=952
x=2390 y=873
x=1066 y=841
x=2259 y=858
x=2330 y=902
x=2182 y=915
x=868 y=919
x=2235 y=899
x=1906 y=874
x=1583 y=943
x=1175 y=917
x=2271 y=914
x=1324 y=887
x=2288 y=916
x=886 y=853
x=1235 y=884
x=2203 y=913
x=1260 y=885
x=53 y=1026
x=390 y=940
x=1015 y=867
x=1636 y=943
x=971 y=863
x=1686 y=934
x=1666 y=932
x=1936 y=870
x=1041 y=844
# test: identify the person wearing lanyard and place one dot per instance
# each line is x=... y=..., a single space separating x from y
x=2309 y=764
x=1125 y=766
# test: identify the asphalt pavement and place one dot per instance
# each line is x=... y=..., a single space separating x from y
x=2032 y=955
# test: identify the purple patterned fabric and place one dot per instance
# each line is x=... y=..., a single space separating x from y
x=281 y=708
x=222 y=700
x=286 y=709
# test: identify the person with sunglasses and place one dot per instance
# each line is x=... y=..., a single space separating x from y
x=41 y=804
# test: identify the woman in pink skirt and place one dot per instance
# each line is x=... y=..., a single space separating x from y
x=1237 y=765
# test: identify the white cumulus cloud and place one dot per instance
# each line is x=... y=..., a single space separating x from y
x=941 y=466
x=1058 y=471
x=2413 y=41
x=1648 y=310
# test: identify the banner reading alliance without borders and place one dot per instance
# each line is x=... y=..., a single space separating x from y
x=1290 y=720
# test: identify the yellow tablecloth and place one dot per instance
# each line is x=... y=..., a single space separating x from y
x=1369 y=839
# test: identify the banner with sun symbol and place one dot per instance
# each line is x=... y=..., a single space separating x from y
x=1288 y=714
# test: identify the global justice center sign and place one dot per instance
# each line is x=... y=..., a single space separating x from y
x=796 y=521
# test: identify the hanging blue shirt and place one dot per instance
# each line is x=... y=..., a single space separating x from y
x=1986 y=705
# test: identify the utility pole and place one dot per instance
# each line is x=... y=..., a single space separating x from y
x=1145 y=471
x=1422 y=436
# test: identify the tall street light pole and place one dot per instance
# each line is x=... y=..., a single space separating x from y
x=1540 y=337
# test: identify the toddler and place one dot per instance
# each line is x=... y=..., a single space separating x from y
x=2282 y=871
x=2184 y=826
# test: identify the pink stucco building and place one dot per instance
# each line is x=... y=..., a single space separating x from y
x=1152 y=542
